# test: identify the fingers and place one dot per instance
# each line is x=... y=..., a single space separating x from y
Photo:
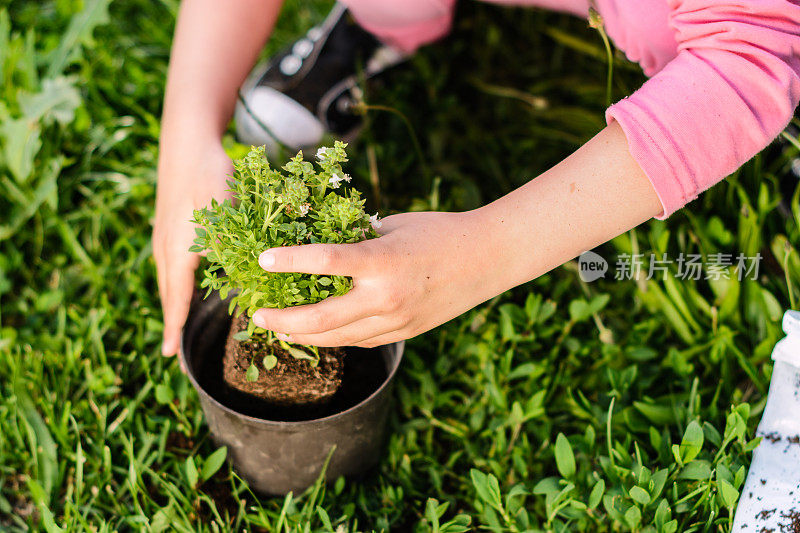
x=179 y=273
x=331 y=259
x=359 y=333
x=326 y=315
x=386 y=338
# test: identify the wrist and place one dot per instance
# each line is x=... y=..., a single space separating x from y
x=192 y=115
x=491 y=250
x=185 y=128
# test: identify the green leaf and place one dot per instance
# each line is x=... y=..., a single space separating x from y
x=57 y=100
x=633 y=517
x=663 y=513
x=692 y=442
x=164 y=394
x=434 y=510
x=241 y=336
x=487 y=487
x=5 y=31
x=191 y=472
x=324 y=518
x=252 y=373
x=597 y=494
x=298 y=353
x=598 y=303
x=40 y=498
x=43 y=447
x=44 y=192
x=657 y=414
x=547 y=485
x=728 y=494
x=580 y=309
x=565 y=458
x=639 y=495
x=658 y=481
x=79 y=31
x=696 y=470
x=213 y=463
x=22 y=143
x=162 y=519
x=270 y=361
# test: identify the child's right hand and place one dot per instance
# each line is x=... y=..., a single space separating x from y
x=190 y=174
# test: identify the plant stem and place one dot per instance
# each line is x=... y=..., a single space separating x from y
x=596 y=21
x=789 y=284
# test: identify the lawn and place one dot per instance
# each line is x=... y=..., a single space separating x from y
x=616 y=405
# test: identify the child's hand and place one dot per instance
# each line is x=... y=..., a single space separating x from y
x=190 y=174
x=425 y=269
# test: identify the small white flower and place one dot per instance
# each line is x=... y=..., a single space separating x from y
x=335 y=180
x=375 y=222
x=304 y=209
x=322 y=153
x=347 y=178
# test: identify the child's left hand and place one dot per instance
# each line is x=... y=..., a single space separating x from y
x=425 y=269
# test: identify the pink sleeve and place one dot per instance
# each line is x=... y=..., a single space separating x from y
x=730 y=90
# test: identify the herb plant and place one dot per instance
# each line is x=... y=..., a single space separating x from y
x=300 y=204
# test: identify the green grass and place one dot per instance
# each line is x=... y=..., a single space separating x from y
x=553 y=407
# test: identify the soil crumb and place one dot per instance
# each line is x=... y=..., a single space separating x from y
x=765 y=514
x=792 y=524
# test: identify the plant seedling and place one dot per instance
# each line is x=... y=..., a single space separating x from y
x=298 y=204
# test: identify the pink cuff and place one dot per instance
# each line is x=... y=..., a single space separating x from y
x=730 y=90
x=653 y=161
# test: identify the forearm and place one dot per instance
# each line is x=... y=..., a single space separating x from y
x=589 y=198
x=215 y=46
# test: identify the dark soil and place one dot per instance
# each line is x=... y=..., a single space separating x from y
x=219 y=488
x=179 y=441
x=793 y=521
x=292 y=381
x=364 y=370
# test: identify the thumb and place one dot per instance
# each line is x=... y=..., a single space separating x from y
x=331 y=259
x=179 y=290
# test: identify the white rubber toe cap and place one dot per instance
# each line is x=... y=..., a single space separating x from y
x=278 y=118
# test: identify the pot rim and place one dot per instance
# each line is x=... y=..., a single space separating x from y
x=295 y=423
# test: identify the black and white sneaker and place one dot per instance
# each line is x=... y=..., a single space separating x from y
x=309 y=89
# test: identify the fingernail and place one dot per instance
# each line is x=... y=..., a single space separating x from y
x=259 y=321
x=266 y=259
x=283 y=336
x=165 y=351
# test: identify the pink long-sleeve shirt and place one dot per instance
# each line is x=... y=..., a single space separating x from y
x=724 y=76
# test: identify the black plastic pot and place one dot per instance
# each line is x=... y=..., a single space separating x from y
x=279 y=455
